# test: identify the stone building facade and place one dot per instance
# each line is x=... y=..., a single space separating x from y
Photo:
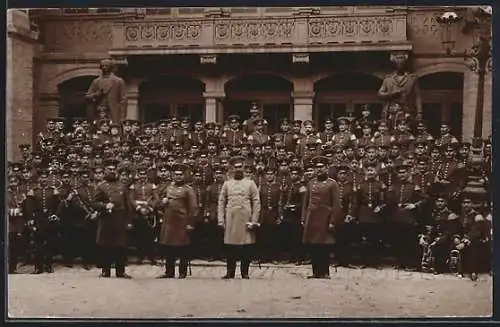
x=207 y=63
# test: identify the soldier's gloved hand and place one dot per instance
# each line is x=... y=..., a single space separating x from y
x=466 y=242
x=376 y=209
x=129 y=226
x=189 y=227
x=160 y=221
x=422 y=241
x=144 y=211
x=456 y=241
x=410 y=206
x=460 y=246
x=348 y=219
x=164 y=200
x=109 y=206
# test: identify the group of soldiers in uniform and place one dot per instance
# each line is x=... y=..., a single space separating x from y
x=359 y=189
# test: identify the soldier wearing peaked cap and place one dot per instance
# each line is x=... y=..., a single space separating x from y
x=271 y=213
x=115 y=220
x=16 y=206
x=179 y=211
x=328 y=132
x=286 y=137
x=347 y=224
x=290 y=228
x=371 y=202
x=321 y=214
x=42 y=218
x=445 y=138
x=344 y=137
x=403 y=199
x=214 y=237
x=475 y=240
x=249 y=124
x=144 y=199
x=258 y=137
x=238 y=213
x=234 y=136
x=438 y=235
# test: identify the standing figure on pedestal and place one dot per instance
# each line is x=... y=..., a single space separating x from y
x=108 y=94
x=400 y=92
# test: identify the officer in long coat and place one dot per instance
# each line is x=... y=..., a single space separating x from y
x=16 y=202
x=180 y=206
x=321 y=213
x=238 y=214
x=111 y=199
x=43 y=201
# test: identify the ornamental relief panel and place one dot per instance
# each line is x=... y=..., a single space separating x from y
x=299 y=31
x=254 y=31
x=188 y=31
x=354 y=29
x=73 y=36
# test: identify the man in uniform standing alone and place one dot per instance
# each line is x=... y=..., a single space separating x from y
x=238 y=214
x=321 y=213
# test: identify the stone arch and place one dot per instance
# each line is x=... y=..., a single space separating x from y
x=232 y=78
x=168 y=95
x=318 y=77
x=455 y=67
x=271 y=92
x=59 y=78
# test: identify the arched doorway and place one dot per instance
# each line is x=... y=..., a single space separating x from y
x=340 y=94
x=168 y=96
x=271 y=93
x=72 y=98
x=442 y=100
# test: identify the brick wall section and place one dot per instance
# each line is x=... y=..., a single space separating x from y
x=19 y=88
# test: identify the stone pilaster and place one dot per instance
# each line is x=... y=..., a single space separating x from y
x=21 y=49
x=212 y=103
x=303 y=105
x=487 y=111
x=469 y=104
x=133 y=100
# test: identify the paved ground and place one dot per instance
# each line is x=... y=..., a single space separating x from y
x=271 y=292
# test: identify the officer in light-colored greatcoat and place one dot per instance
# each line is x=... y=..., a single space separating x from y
x=238 y=214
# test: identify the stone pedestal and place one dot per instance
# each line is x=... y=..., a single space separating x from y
x=21 y=49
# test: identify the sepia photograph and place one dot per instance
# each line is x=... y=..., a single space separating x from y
x=249 y=162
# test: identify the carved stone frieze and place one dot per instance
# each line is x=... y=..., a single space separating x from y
x=163 y=31
x=258 y=30
x=424 y=24
x=76 y=35
x=216 y=33
x=338 y=29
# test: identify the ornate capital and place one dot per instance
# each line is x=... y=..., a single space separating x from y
x=489 y=65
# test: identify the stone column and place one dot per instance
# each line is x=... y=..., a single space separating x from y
x=212 y=102
x=488 y=98
x=303 y=105
x=133 y=100
x=469 y=105
x=21 y=50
